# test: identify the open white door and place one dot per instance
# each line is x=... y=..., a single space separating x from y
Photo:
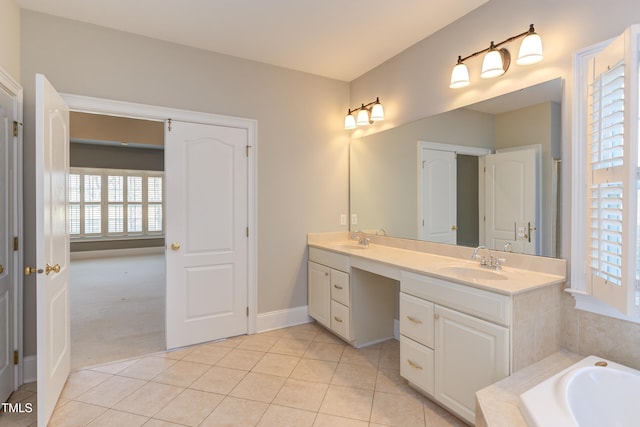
x=206 y=232
x=52 y=246
x=6 y=285
x=511 y=200
x=438 y=193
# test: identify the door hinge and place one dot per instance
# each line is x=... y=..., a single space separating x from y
x=247 y=311
x=247 y=231
x=15 y=128
x=248 y=147
x=169 y=125
x=15 y=357
x=15 y=244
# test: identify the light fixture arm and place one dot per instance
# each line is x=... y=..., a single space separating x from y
x=364 y=106
x=493 y=45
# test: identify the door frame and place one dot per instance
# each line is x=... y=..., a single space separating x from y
x=87 y=104
x=15 y=90
x=458 y=149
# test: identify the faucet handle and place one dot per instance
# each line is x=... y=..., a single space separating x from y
x=483 y=260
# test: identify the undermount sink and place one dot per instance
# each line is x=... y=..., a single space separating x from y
x=478 y=273
x=352 y=246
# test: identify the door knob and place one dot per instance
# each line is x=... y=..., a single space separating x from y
x=1 y=268
x=48 y=269
x=30 y=270
x=175 y=246
x=454 y=227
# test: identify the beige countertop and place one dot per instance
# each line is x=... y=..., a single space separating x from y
x=512 y=280
x=498 y=404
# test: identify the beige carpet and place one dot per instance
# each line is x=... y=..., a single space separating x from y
x=117 y=308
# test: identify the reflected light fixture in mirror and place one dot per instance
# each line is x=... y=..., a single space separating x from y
x=497 y=60
x=367 y=114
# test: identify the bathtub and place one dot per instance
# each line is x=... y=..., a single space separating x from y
x=592 y=393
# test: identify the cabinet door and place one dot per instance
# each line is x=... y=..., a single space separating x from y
x=469 y=354
x=319 y=293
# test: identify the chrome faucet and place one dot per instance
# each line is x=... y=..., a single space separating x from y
x=492 y=262
x=363 y=240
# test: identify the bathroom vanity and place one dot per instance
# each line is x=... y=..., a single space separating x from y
x=461 y=326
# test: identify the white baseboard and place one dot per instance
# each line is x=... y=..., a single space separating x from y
x=282 y=318
x=30 y=369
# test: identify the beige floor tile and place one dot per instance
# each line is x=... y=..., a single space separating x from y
x=276 y=364
x=280 y=416
x=178 y=354
x=81 y=381
x=314 y=370
x=348 y=402
x=306 y=331
x=327 y=337
x=219 y=380
x=160 y=423
x=208 y=355
x=357 y=376
x=301 y=394
x=181 y=374
x=324 y=420
x=363 y=356
x=113 y=368
x=389 y=355
x=397 y=410
x=390 y=381
x=290 y=346
x=233 y=412
x=260 y=387
x=241 y=359
x=75 y=414
x=111 y=391
x=190 y=408
x=147 y=367
x=258 y=342
x=324 y=351
x=149 y=399
x=436 y=416
x=113 y=418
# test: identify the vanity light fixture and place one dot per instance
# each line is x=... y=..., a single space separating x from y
x=497 y=59
x=367 y=114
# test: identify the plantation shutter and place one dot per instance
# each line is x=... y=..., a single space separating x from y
x=612 y=162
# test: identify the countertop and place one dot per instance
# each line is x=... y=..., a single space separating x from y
x=513 y=280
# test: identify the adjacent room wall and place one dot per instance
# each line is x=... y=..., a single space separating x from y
x=302 y=157
x=10 y=38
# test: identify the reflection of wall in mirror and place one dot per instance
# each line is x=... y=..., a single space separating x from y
x=384 y=175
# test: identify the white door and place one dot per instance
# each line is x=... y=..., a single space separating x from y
x=6 y=276
x=52 y=246
x=438 y=189
x=511 y=200
x=207 y=229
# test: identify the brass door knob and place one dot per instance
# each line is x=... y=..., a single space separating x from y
x=30 y=270
x=1 y=268
x=175 y=246
x=48 y=269
x=454 y=227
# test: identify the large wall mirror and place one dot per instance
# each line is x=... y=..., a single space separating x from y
x=486 y=174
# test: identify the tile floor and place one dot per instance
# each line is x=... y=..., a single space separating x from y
x=298 y=376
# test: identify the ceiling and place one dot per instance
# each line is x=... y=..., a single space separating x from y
x=332 y=38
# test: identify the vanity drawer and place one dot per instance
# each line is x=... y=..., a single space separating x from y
x=328 y=258
x=417 y=365
x=486 y=305
x=340 y=287
x=416 y=319
x=340 y=320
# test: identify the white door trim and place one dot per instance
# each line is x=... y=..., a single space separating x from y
x=12 y=87
x=151 y=112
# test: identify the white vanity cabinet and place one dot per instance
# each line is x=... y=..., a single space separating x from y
x=454 y=339
x=329 y=294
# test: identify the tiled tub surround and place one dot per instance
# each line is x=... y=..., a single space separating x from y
x=533 y=290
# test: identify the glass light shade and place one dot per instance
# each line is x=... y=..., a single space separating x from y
x=459 y=76
x=492 y=65
x=377 y=112
x=362 y=118
x=530 y=50
x=349 y=121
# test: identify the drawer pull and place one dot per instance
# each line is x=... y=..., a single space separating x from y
x=414 y=320
x=337 y=319
x=414 y=364
x=338 y=287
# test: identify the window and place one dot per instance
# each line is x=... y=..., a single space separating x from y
x=107 y=203
x=605 y=236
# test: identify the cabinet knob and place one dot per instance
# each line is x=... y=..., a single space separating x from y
x=436 y=316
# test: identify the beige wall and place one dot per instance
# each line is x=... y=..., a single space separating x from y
x=414 y=84
x=302 y=157
x=10 y=38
